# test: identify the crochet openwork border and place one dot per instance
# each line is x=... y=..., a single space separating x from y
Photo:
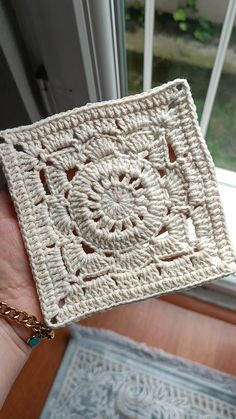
x=117 y=202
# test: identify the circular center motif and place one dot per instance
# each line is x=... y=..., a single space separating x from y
x=117 y=203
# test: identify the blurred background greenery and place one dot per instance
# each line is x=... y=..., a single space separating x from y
x=185 y=45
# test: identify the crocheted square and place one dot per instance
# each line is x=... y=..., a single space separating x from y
x=117 y=202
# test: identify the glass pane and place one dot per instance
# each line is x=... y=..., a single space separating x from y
x=186 y=48
x=221 y=134
x=134 y=36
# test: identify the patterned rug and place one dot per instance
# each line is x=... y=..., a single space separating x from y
x=104 y=376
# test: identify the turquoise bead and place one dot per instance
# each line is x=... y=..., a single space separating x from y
x=34 y=341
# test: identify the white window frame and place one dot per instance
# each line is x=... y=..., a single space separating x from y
x=86 y=62
x=221 y=291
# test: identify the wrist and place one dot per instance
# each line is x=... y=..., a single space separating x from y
x=24 y=329
x=15 y=335
x=17 y=328
x=14 y=353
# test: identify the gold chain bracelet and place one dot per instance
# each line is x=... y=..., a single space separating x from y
x=39 y=328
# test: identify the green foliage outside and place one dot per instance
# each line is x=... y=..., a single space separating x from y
x=221 y=134
x=185 y=20
x=196 y=26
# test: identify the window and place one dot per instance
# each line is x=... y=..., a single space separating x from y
x=64 y=57
x=167 y=40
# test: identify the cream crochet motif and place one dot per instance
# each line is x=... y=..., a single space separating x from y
x=117 y=201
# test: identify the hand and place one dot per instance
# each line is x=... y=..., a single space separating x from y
x=17 y=286
x=17 y=289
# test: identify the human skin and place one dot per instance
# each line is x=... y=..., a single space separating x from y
x=18 y=290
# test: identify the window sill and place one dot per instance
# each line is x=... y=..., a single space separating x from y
x=223 y=291
x=227 y=187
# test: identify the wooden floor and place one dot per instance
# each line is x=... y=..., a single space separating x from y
x=175 y=325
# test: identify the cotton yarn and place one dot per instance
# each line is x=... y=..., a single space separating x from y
x=117 y=202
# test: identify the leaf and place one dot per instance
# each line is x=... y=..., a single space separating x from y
x=198 y=35
x=202 y=36
x=192 y=4
x=179 y=15
x=183 y=26
x=203 y=23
